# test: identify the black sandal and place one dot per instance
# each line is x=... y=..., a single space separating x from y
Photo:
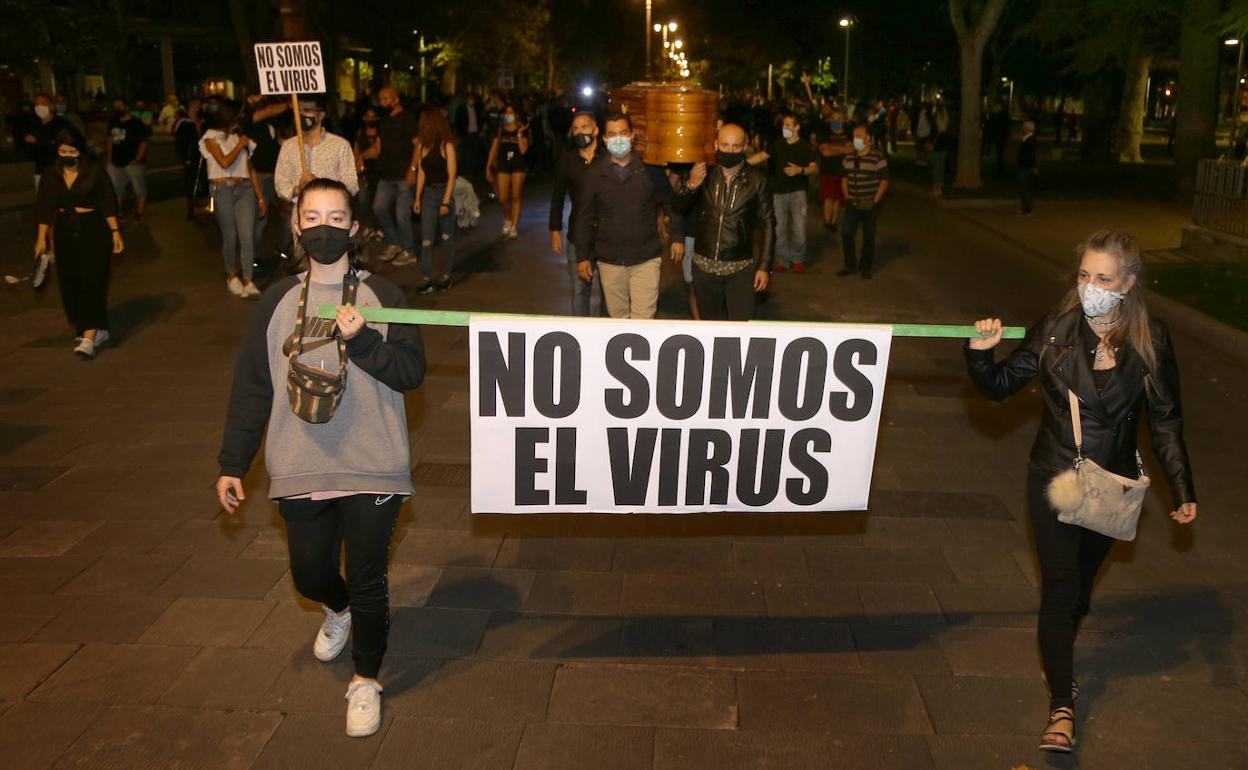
x=1057 y=739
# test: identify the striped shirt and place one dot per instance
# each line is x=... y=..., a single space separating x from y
x=863 y=173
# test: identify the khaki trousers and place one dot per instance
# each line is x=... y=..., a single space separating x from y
x=632 y=291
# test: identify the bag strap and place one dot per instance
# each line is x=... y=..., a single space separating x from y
x=1077 y=424
x=297 y=347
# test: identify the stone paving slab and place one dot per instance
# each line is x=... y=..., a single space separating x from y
x=300 y=742
x=24 y=666
x=434 y=743
x=643 y=696
x=558 y=746
x=855 y=705
x=123 y=674
x=104 y=619
x=35 y=735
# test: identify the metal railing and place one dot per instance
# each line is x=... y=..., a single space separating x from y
x=1221 y=201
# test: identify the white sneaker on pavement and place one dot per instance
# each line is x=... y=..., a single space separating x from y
x=333 y=636
x=363 y=708
x=234 y=285
x=250 y=290
x=506 y=229
x=85 y=349
x=515 y=232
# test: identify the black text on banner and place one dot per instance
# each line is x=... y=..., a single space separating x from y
x=585 y=415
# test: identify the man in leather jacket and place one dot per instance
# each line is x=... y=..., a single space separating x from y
x=728 y=266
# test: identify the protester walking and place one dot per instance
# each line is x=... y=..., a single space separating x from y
x=832 y=151
x=126 y=152
x=266 y=117
x=187 y=132
x=735 y=203
x=1027 y=167
x=617 y=224
x=237 y=199
x=323 y=155
x=570 y=173
x=41 y=136
x=339 y=467
x=942 y=145
x=367 y=148
x=864 y=185
x=396 y=187
x=437 y=168
x=1101 y=358
x=76 y=197
x=791 y=160
x=506 y=168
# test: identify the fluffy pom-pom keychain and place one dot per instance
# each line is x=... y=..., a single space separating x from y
x=1066 y=491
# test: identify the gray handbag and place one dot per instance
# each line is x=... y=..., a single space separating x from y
x=1091 y=497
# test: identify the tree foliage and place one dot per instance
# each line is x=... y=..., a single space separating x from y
x=72 y=33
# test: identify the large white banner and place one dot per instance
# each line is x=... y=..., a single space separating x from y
x=580 y=415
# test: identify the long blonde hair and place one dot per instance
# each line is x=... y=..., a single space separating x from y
x=1134 y=329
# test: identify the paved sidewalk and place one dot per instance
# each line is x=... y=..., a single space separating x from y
x=140 y=627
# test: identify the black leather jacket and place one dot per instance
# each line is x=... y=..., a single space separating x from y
x=732 y=211
x=1059 y=349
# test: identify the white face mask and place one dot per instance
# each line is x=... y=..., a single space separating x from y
x=860 y=144
x=1097 y=301
x=42 y=111
x=788 y=133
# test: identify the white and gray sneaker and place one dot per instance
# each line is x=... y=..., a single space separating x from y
x=506 y=228
x=250 y=291
x=363 y=708
x=333 y=636
x=101 y=337
x=234 y=285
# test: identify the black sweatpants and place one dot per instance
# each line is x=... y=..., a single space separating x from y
x=84 y=260
x=1069 y=557
x=316 y=531
x=724 y=297
x=851 y=217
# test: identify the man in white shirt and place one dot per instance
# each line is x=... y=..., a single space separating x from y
x=328 y=155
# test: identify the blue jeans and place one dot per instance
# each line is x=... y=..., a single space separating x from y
x=790 y=227
x=430 y=223
x=393 y=206
x=583 y=291
x=235 y=207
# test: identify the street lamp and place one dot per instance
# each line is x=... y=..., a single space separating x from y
x=649 y=4
x=846 y=23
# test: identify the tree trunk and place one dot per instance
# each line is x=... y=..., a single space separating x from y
x=1131 y=112
x=1196 y=108
x=972 y=37
x=970 y=135
x=1097 y=125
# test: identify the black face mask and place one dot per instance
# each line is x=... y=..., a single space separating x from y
x=729 y=159
x=69 y=162
x=581 y=141
x=371 y=123
x=309 y=124
x=384 y=111
x=325 y=243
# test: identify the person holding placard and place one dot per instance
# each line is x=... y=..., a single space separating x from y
x=1101 y=359
x=326 y=155
x=339 y=468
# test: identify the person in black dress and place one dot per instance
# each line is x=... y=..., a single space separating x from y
x=77 y=198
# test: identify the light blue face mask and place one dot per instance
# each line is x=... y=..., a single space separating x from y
x=619 y=146
x=836 y=125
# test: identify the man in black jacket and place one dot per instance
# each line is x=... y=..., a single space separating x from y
x=736 y=204
x=571 y=170
x=617 y=225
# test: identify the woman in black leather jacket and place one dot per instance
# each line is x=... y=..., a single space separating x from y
x=1101 y=344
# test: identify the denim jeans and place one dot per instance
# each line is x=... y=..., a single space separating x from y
x=235 y=207
x=392 y=203
x=790 y=227
x=583 y=291
x=431 y=222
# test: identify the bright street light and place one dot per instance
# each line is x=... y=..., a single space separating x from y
x=1232 y=41
x=679 y=44
x=587 y=91
x=846 y=22
x=671 y=25
x=658 y=27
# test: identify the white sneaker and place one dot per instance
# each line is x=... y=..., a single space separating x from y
x=333 y=636
x=250 y=291
x=234 y=285
x=363 y=708
x=506 y=229
x=85 y=349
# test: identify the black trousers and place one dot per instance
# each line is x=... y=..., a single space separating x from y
x=849 y=236
x=724 y=297
x=84 y=260
x=316 y=531
x=1026 y=184
x=1069 y=557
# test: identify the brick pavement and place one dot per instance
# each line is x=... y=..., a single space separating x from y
x=140 y=627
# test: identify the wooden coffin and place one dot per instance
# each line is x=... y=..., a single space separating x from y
x=672 y=122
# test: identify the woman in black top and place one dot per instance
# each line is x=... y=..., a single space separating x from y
x=76 y=196
x=1102 y=345
x=507 y=168
x=437 y=167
